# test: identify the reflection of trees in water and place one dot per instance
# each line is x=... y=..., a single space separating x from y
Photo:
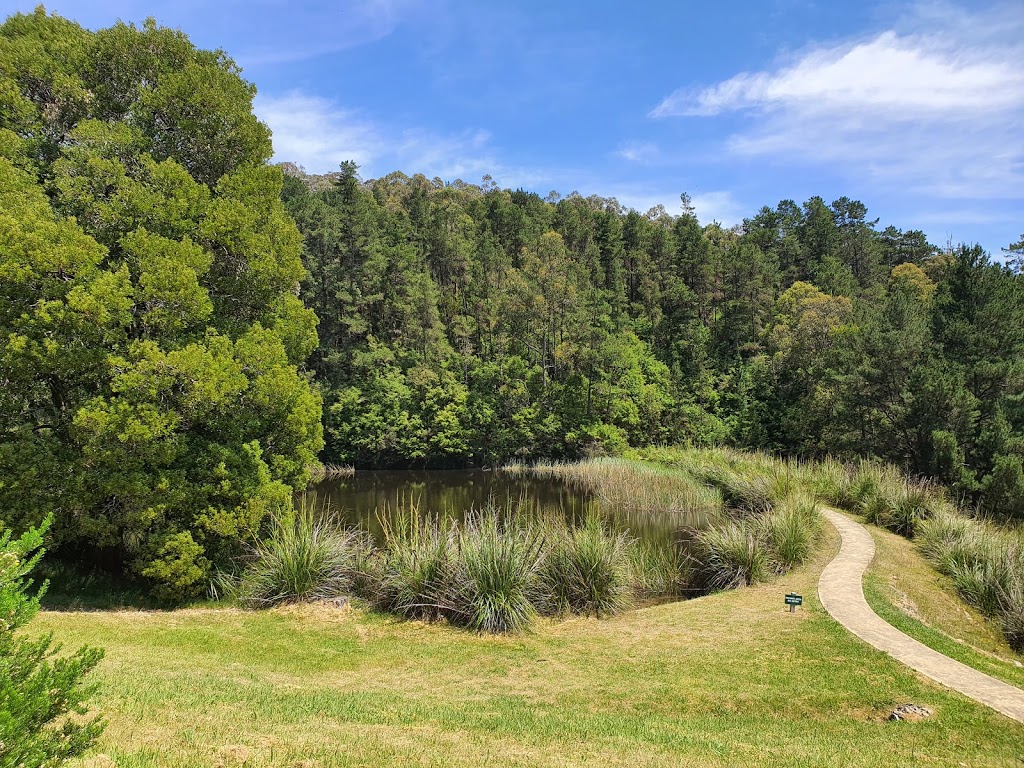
x=368 y=495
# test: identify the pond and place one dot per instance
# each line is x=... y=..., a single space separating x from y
x=365 y=497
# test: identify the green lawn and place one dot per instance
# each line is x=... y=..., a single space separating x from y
x=911 y=595
x=722 y=681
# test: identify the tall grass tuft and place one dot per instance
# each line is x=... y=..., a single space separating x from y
x=986 y=564
x=413 y=564
x=308 y=555
x=729 y=556
x=899 y=505
x=792 y=529
x=588 y=569
x=494 y=582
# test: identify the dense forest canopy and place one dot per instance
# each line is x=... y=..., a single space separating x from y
x=464 y=324
x=163 y=387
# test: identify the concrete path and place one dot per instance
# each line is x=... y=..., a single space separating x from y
x=842 y=595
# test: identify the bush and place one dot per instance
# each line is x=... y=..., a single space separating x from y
x=729 y=556
x=587 y=570
x=307 y=556
x=43 y=714
x=414 y=566
x=494 y=583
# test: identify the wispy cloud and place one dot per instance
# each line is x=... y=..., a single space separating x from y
x=318 y=134
x=938 y=110
x=638 y=151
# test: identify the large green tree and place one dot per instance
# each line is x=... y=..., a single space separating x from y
x=151 y=335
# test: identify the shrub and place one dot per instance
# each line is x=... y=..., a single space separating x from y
x=494 y=582
x=587 y=570
x=728 y=556
x=791 y=530
x=43 y=714
x=308 y=555
x=414 y=564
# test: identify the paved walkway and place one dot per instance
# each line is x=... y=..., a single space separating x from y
x=842 y=595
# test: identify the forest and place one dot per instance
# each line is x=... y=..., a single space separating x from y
x=186 y=329
x=467 y=324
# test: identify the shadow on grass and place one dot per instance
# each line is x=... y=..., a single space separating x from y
x=76 y=587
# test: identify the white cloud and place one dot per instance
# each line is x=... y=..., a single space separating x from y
x=318 y=135
x=312 y=132
x=638 y=151
x=903 y=78
x=937 y=111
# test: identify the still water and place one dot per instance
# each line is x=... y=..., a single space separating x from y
x=368 y=496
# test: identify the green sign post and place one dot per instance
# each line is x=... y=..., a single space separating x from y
x=793 y=600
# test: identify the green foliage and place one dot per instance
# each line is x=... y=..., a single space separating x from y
x=467 y=325
x=307 y=556
x=152 y=393
x=495 y=579
x=587 y=570
x=44 y=718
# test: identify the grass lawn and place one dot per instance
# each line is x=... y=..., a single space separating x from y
x=911 y=595
x=727 y=680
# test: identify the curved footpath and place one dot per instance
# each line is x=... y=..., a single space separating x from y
x=842 y=595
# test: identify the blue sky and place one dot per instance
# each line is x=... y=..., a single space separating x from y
x=916 y=109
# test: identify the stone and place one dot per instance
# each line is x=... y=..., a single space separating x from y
x=910 y=713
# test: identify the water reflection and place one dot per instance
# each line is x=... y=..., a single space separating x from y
x=366 y=496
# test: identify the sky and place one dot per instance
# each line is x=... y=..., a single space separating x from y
x=916 y=109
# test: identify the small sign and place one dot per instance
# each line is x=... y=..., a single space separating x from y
x=793 y=600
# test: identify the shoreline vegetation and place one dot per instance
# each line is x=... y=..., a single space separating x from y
x=504 y=566
x=746 y=517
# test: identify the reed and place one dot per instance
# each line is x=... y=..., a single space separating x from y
x=636 y=487
x=320 y=472
x=413 y=564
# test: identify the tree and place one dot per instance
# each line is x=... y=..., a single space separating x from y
x=43 y=711
x=152 y=336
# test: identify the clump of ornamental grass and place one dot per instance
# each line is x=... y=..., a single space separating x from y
x=986 y=564
x=413 y=564
x=494 y=581
x=791 y=530
x=308 y=555
x=729 y=556
x=900 y=505
x=587 y=569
